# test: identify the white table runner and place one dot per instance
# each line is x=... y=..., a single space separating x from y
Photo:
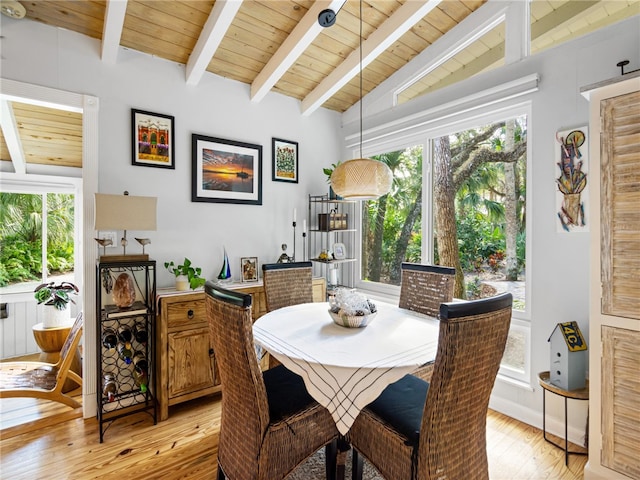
x=345 y=369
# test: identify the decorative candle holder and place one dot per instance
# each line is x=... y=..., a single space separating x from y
x=304 y=246
x=293 y=258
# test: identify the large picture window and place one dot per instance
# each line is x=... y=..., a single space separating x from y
x=459 y=200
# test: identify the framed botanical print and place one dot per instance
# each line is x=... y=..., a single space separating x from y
x=285 y=160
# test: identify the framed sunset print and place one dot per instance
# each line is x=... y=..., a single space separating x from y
x=226 y=171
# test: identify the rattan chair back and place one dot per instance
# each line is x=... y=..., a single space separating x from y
x=287 y=284
x=451 y=443
x=245 y=412
x=252 y=446
x=424 y=287
x=471 y=344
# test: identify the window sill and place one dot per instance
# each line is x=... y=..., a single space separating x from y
x=514 y=382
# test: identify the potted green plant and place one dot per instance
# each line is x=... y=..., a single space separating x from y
x=186 y=275
x=328 y=172
x=55 y=298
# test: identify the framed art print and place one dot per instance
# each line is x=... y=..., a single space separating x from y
x=285 y=160
x=249 y=269
x=152 y=142
x=226 y=171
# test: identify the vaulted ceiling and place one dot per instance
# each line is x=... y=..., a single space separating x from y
x=278 y=45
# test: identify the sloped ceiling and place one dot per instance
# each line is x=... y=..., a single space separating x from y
x=278 y=45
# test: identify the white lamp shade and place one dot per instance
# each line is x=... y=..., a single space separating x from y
x=125 y=212
x=361 y=179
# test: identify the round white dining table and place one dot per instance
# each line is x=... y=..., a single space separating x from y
x=345 y=369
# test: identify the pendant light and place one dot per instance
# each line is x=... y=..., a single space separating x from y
x=361 y=178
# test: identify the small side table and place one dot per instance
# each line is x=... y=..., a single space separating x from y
x=50 y=341
x=580 y=394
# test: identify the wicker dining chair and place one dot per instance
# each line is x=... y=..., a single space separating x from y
x=286 y=284
x=425 y=287
x=422 y=289
x=437 y=430
x=270 y=424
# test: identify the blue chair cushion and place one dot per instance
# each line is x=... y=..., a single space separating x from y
x=286 y=393
x=401 y=405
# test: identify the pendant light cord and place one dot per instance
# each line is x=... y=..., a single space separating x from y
x=361 y=79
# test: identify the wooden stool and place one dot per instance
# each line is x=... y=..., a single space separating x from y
x=50 y=341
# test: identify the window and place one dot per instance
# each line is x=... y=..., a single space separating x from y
x=479 y=192
x=459 y=199
x=391 y=226
x=37 y=237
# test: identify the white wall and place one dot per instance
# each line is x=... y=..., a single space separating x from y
x=559 y=262
x=42 y=55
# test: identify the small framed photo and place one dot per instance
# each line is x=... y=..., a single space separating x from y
x=152 y=138
x=285 y=160
x=339 y=251
x=226 y=171
x=249 y=269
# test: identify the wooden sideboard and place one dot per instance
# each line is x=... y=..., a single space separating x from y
x=185 y=361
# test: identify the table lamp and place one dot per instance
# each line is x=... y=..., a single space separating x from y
x=124 y=212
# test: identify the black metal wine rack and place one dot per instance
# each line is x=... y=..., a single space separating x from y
x=124 y=384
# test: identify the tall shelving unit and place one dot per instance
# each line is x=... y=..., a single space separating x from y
x=125 y=346
x=332 y=225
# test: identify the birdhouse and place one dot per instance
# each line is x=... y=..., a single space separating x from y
x=568 y=365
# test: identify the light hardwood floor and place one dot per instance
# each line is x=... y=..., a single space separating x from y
x=58 y=446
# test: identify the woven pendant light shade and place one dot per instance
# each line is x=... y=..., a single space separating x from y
x=361 y=179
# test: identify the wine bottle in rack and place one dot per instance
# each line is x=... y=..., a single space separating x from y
x=125 y=352
x=140 y=370
x=140 y=333
x=109 y=339
x=109 y=387
x=125 y=335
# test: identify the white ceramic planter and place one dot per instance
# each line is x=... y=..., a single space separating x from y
x=182 y=283
x=53 y=318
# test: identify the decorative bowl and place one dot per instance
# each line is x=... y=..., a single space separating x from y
x=352 y=321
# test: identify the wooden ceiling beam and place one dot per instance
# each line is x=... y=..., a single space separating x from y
x=295 y=44
x=12 y=137
x=391 y=30
x=214 y=30
x=112 y=29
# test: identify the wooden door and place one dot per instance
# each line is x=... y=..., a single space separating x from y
x=190 y=363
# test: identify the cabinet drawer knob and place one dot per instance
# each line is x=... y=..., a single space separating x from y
x=190 y=314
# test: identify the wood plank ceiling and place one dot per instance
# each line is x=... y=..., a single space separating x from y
x=277 y=45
